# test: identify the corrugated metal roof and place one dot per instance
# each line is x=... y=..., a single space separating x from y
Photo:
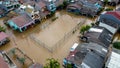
x=114 y=61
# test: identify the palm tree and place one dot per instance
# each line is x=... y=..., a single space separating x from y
x=52 y=63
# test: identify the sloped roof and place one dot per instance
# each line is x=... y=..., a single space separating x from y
x=104 y=37
x=114 y=13
x=22 y=20
x=3 y=64
x=3 y=36
x=90 y=54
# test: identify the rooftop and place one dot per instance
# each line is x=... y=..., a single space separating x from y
x=86 y=53
x=114 y=13
x=99 y=35
x=22 y=20
x=113 y=61
x=3 y=36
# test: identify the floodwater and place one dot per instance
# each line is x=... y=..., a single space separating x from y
x=49 y=35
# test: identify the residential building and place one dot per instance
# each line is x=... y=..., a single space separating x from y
x=21 y=22
x=3 y=38
x=110 y=20
x=87 y=7
x=10 y=4
x=3 y=10
x=113 y=61
x=87 y=55
x=5 y=61
x=98 y=35
x=113 y=2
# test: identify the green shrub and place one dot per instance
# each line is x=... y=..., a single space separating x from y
x=108 y=9
x=116 y=45
x=84 y=28
x=2 y=29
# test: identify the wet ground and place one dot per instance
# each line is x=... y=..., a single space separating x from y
x=49 y=35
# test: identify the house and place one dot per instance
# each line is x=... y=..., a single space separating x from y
x=98 y=35
x=87 y=7
x=3 y=11
x=113 y=2
x=21 y=22
x=42 y=9
x=110 y=20
x=76 y=8
x=10 y=4
x=113 y=61
x=87 y=55
x=51 y=4
x=3 y=38
x=5 y=61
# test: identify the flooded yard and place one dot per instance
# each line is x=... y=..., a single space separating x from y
x=50 y=35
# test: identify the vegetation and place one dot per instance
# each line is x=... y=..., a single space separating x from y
x=105 y=2
x=84 y=28
x=2 y=29
x=21 y=60
x=108 y=9
x=116 y=45
x=52 y=63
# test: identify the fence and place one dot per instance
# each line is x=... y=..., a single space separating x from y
x=61 y=41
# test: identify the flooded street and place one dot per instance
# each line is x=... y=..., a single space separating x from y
x=49 y=36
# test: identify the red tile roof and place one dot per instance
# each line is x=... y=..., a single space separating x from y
x=114 y=13
x=22 y=20
x=3 y=64
x=3 y=35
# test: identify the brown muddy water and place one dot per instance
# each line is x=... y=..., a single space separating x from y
x=49 y=35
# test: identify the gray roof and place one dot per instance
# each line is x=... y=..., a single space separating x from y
x=91 y=54
x=103 y=38
x=93 y=60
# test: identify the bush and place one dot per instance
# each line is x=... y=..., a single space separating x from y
x=116 y=45
x=108 y=9
x=84 y=28
x=2 y=29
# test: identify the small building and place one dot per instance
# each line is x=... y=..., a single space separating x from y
x=87 y=7
x=42 y=9
x=5 y=61
x=3 y=10
x=21 y=23
x=98 y=35
x=113 y=61
x=113 y=2
x=87 y=55
x=10 y=4
x=110 y=20
x=3 y=38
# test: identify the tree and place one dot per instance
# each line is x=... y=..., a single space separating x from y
x=2 y=29
x=105 y=2
x=84 y=28
x=52 y=63
x=116 y=45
